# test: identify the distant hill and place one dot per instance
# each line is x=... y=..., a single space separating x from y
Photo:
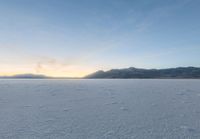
x=34 y=76
x=180 y=72
x=25 y=76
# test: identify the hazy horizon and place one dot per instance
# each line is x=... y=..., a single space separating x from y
x=190 y=74
x=73 y=38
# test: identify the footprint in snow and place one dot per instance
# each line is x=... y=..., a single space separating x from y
x=182 y=115
x=124 y=108
x=66 y=110
x=49 y=120
x=112 y=103
x=109 y=133
x=186 y=128
x=41 y=106
x=154 y=104
x=27 y=106
x=181 y=94
x=52 y=93
x=186 y=102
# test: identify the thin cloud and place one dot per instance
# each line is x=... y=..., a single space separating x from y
x=158 y=13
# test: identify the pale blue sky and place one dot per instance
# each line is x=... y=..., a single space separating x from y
x=77 y=37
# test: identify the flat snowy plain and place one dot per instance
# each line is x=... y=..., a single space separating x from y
x=100 y=109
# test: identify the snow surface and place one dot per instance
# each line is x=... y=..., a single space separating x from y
x=100 y=109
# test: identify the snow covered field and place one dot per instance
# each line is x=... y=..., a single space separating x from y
x=100 y=109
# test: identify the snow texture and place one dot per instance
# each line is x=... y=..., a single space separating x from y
x=100 y=109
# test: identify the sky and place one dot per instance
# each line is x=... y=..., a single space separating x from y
x=73 y=38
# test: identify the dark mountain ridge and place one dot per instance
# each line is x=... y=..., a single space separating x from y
x=180 y=72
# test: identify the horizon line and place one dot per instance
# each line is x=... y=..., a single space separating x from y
x=29 y=75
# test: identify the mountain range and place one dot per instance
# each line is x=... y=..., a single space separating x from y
x=180 y=72
x=126 y=73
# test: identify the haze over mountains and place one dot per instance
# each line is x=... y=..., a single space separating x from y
x=33 y=76
x=180 y=72
x=26 y=76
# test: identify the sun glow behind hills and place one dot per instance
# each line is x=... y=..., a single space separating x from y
x=73 y=71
